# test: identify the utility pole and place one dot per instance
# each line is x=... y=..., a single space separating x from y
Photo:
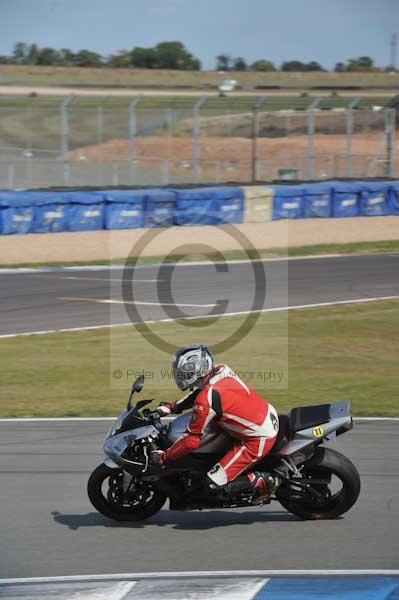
x=394 y=50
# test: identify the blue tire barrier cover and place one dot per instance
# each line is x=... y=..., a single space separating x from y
x=393 y=199
x=16 y=213
x=317 y=201
x=50 y=214
x=124 y=209
x=374 y=201
x=288 y=202
x=159 y=208
x=85 y=210
x=209 y=206
x=32 y=212
x=345 y=199
x=23 y=211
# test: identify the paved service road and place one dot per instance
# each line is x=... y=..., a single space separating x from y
x=71 y=298
x=48 y=527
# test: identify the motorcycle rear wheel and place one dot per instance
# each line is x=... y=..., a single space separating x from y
x=119 y=508
x=325 y=463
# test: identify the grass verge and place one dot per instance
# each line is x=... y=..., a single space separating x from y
x=343 y=352
x=101 y=77
x=312 y=250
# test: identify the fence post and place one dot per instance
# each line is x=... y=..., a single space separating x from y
x=64 y=133
x=165 y=171
x=11 y=171
x=310 y=118
x=133 y=127
x=255 y=133
x=197 y=136
x=64 y=127
x=349 y=134
x=115 y=174
x=100 y=124
x=390 y=119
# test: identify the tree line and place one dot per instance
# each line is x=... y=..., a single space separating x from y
x=165 y=55
x=224 y=62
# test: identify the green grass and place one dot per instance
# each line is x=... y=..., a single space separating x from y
x=86 y=77
x=343 y=352
x=311 y=250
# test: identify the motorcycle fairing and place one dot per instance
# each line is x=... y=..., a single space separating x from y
x=214 y=440
x=305 y=417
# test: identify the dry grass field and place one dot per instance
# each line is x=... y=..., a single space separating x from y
x=105 y=77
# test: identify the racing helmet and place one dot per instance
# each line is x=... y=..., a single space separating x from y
x=190 y=364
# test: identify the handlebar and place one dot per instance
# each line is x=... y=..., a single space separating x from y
x=154 y=417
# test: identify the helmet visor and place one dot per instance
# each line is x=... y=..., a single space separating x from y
x=185 y=375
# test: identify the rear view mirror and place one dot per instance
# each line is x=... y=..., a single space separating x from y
x=136 y=387
x=138 y=384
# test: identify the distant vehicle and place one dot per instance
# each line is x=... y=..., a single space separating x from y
x=227 y=85
x=319 y=483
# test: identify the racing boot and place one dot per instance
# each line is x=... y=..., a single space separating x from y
x=263 y=484
x=238 y=485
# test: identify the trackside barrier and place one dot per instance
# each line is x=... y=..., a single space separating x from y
x=124 y=209
x=159 y=208
x=393 y=199
x=258 y=203
x=16 y=213
x=288 y=202
x=85 y=211
x=209 y=206
x=374 y=200
x=23 y=211
x=346 y=199
x=317 y=200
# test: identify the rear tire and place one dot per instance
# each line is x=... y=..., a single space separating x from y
x=121 y=510
x=325 y=462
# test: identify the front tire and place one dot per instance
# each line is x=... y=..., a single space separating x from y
x=115 y=504
x=325 y=463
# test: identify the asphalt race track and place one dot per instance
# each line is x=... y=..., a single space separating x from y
x=79 y=298
x=49 y=528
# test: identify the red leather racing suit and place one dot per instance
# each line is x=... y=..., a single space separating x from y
x=240 y=411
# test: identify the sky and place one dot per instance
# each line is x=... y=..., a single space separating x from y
x=327 y=31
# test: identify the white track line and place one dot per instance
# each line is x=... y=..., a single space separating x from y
x=200 y=574
x=11 y=270
x=230 y=314
x=112 y=301
x=95 y=419
x=134 y=280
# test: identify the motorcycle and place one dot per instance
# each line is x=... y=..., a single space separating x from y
x=315 y=482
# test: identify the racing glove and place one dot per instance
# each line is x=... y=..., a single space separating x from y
x=157 y=458
x=164 y=410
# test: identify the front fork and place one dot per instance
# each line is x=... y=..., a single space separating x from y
x=127 y=478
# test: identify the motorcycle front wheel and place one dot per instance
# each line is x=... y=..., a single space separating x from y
x=107 y=494
x=335 y=480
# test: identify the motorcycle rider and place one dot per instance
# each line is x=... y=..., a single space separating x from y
x=217 y=393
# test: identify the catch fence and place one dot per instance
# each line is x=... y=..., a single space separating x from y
x=164 y=140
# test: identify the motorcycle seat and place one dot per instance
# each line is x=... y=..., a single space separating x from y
x=283 y=432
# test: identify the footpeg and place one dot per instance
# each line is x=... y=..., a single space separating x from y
x=264 y=484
